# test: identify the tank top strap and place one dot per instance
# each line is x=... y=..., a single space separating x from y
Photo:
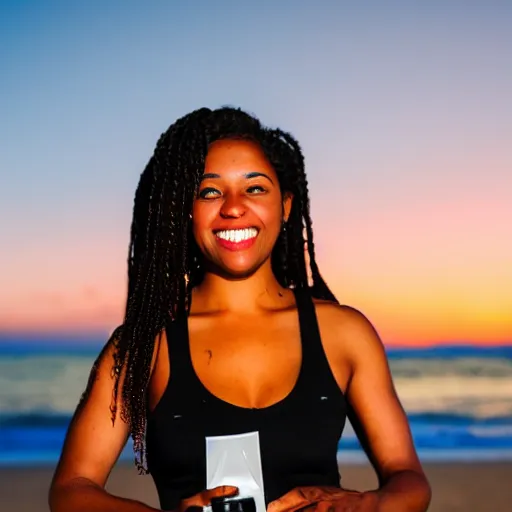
x=182 y=375
x=315 y=365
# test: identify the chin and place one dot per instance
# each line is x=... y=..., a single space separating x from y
x=237 y=272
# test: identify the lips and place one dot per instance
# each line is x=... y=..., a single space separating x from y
x=236 y=239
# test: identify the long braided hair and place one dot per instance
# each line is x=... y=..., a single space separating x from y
x=164 y=262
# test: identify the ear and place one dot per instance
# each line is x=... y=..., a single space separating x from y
x=287 y=205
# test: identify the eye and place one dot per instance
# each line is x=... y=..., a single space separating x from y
x=208 y=193
x=256 y=189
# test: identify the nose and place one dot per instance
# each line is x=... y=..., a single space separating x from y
x=233 y=207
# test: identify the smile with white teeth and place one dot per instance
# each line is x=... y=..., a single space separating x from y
x=237 y=235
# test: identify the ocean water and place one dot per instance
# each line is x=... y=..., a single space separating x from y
x=458 y=400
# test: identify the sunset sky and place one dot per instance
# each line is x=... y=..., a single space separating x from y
x=403 y=110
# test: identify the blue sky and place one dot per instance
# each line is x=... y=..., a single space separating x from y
x=402 y=108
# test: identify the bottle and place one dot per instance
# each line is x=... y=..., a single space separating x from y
x=235 y=504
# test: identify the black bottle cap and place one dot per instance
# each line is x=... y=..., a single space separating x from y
x=233 y=505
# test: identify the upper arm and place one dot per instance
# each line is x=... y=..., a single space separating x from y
x=375 y=410
x=94 y=441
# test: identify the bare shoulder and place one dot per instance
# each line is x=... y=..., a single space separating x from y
x=346 y=329
x=340 y=314
x=108 y=357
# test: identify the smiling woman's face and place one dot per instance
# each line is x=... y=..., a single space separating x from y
x=239 y=210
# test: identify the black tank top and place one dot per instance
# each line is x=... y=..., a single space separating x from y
x=298 y=435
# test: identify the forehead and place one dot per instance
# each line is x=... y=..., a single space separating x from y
x=226 y=156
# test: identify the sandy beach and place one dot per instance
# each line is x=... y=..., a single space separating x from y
x=473 y=487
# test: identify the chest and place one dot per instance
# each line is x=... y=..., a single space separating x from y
x=249 y=362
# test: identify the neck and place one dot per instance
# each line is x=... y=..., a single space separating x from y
x=260 y=290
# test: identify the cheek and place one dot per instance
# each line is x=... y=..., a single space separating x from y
x=202 y=215
x=271 y=215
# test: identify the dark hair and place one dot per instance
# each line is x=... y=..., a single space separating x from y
x=164 y=262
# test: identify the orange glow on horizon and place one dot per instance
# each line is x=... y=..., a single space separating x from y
x=400 y=320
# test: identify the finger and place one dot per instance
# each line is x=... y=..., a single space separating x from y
x=291 y=501
x=204 y=498
x=302 y=497
x=287 y=505
x=222 y=490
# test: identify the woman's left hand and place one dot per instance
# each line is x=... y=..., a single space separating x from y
x=325 y=499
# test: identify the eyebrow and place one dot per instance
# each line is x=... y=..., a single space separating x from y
x=248 y=175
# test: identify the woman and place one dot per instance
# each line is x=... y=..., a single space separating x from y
x=230 y=328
